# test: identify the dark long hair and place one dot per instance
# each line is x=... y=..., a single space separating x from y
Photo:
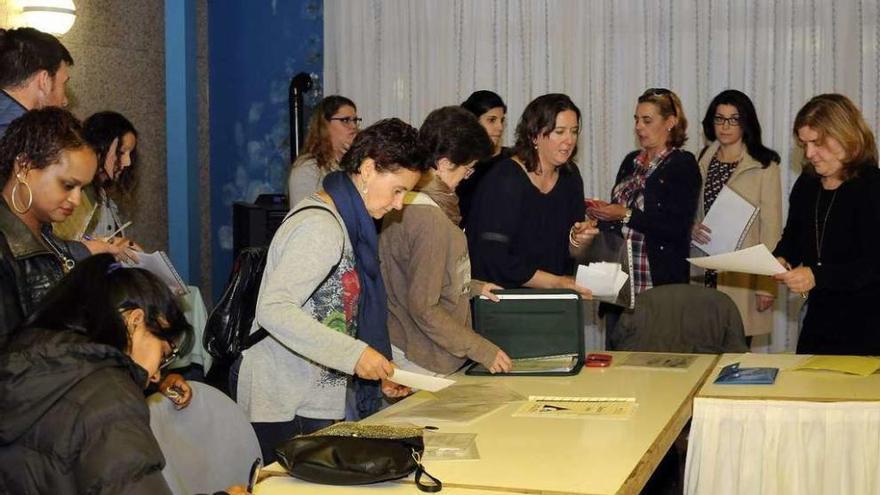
x=100 y=130
x=539 y=119
x=748 y=122
x=480 y=102
x=88 y=300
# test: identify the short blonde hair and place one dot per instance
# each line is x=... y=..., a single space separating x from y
x=668 y=105
x=836 y=116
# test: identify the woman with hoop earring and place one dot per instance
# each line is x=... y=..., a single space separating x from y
x=45 y=163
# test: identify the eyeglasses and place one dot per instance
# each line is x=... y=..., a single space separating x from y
x=348 y=121
x=721 y=120
x=170 y=357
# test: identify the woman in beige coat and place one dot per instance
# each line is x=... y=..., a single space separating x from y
x=737 y=158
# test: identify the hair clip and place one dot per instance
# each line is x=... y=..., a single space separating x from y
x=114 y=266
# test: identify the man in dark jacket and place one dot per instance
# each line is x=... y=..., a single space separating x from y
x=34 y=70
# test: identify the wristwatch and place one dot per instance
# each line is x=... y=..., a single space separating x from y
x=626 y=216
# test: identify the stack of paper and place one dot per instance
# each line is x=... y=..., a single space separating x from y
x=602 y=278
x=728 y=219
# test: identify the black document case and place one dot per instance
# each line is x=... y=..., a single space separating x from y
x=532 y=323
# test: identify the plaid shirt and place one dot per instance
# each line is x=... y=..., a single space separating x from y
x=631 y=192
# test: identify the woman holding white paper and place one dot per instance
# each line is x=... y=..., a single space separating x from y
x=654 y=197
x=736 y=158
x=831 y=238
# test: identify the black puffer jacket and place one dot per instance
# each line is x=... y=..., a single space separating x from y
x=28 y=269
x=73 y=419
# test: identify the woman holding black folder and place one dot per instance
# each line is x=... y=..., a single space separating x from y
x=736 y=158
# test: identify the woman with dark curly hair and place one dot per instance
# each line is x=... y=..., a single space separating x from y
x=333 y=125
x=322 y=299
x=44 y=163
x=527 y=219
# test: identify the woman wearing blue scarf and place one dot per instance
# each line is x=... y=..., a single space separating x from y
x=322 y=298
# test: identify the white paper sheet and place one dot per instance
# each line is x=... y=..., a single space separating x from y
x=603 y=279
x=728 y=219
x=756 y=260
x=420 y=382
x=160 y=265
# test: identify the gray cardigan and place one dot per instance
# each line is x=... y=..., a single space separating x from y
x=304 y=365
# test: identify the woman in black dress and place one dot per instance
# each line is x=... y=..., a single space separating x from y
x=527 y=219
x=832 y=235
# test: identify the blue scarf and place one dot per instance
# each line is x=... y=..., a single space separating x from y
x=372 y=317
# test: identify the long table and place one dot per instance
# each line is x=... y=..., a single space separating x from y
x=811 y=432
x=594 y=455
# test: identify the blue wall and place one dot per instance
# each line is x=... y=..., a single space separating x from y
x=255 y=48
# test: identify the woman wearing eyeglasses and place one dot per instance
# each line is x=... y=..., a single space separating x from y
x=424 y=257
x=737 y=158
x=332 y=127
x=654 y=198
x=72 y=382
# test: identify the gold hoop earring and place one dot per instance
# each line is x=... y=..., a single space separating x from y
x=30 y=201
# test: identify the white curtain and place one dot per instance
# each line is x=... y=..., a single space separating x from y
x=744 y=447
x=403 y=58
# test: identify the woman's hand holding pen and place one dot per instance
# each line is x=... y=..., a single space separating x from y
x=800 y=279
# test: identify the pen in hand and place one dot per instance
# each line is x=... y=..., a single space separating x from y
x=120 y=229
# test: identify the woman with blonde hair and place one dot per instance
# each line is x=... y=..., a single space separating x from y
x=654 y=198
x=332 y=127
x=831 y=238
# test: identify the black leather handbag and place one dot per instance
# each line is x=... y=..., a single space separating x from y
x=349 y=453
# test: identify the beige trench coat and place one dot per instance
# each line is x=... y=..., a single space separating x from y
x=761 y=187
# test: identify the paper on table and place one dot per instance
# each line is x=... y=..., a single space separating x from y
x=756 y=260
x=854 y=365
x=420 y=382
x=602 y=278
x=728 y=219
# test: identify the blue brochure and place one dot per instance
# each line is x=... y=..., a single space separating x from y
x=732 y=374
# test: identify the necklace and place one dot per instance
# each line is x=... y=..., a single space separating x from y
x=67 y=262
x=820 y=238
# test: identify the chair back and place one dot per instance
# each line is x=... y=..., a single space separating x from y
x=208 y=446
x=680 y=318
